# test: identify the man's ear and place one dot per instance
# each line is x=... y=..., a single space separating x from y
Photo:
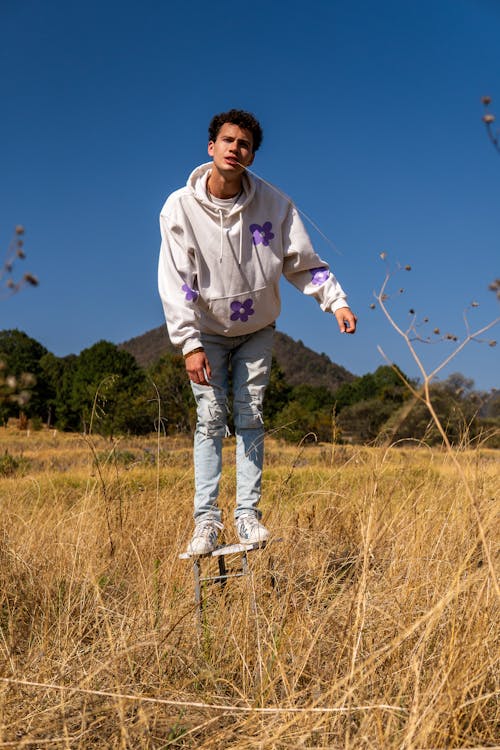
x=210 y=149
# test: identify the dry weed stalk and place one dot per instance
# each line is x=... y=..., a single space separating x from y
x=15 y=389
x=489 y=119
x=98 y=409
x=410 y=336
x=160 y=430
x=15 y=252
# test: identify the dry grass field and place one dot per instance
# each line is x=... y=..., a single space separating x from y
x=375 y=623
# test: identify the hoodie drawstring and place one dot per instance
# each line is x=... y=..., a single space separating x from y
x=221 y=224
x=221 y=219
x=240 y=256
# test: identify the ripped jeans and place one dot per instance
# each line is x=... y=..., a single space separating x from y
x=250 y=360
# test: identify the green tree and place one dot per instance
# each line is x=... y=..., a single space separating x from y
x=59 y=373
x=307 y=409
x=277 y=394
x=21 y=357
x=457 y=406
x=384 y=383
x=105 y=385
x=362 y=421
x=176 y=400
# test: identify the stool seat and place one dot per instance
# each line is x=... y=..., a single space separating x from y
x=228 y=549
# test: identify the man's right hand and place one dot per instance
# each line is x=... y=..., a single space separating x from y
x=198 y=368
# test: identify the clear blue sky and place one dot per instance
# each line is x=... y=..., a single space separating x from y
x=372 y=123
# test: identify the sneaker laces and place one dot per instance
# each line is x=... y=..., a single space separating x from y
x=205 y=528
x=249 y=519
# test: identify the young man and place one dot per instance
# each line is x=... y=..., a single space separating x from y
x=226 y=239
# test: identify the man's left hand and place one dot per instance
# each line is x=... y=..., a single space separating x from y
x=346 y=320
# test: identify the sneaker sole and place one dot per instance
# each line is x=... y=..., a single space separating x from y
x=259 y=540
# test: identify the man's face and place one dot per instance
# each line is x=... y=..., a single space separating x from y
x=232 y=150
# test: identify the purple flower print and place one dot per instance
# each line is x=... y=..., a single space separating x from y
x=242 y=310
x=191 y=294
x=262 y=234
x=319 y=275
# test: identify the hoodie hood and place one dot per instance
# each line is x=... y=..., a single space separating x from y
x=197 y=186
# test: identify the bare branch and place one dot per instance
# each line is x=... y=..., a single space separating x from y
x=424 y=395
x=489 y=119
x=15 y=252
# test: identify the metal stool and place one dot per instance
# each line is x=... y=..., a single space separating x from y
x=221 y=553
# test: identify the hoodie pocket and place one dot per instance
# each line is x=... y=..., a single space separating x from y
x=247 y=311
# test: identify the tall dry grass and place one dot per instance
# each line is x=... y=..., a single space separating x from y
x=376 y=617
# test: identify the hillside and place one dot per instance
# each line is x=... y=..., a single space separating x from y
x=150 y=346
x=299 y=363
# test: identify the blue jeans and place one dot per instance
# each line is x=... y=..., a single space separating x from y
x=250 y=360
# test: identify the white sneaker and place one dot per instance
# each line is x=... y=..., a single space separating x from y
x=250 y=530
x=204 y=539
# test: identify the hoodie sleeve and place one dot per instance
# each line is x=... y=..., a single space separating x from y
x=304 y=268
x=177 y=283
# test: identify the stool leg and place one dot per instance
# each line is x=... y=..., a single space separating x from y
x=244 y=563
x=222 y=571
x=197 y=589
x=272 y=575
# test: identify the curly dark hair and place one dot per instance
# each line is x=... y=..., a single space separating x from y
x=240 y=118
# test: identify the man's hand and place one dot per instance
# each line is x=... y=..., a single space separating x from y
x=346 y=320
x=198 y=368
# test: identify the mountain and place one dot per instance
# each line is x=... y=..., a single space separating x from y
x=299 y=363
x=150 y=346
x=303 y=365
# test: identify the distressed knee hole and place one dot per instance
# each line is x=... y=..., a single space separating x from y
x=248 y=415
x=212 y=418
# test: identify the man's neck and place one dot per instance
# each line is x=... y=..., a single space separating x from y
x=221 y=187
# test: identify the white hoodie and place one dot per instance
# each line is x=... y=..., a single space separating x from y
x=219 y=271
